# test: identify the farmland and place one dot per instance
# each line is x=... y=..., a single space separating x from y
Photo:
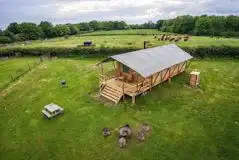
x=186 y=123
x=114 y=39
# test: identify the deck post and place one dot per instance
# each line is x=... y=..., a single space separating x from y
x=178 y=68
x=133 y=99
x=123 y=89
x=169 y=79
x=151 y=83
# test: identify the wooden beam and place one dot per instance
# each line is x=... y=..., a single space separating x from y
x=178 y=68
x=182 y=66
x=151 y=83
x=133 y=100
x=123 y=90
x=113 y=64
x=165 y=73
x=169 y=79
x=174 y=68
x=156 y=78
x=141 y=85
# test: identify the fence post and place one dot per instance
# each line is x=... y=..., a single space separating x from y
x=28 y=66
x=11 y=77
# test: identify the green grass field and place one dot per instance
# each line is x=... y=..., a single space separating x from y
x=199 y=124
x=127 y=32
x=124 y=41
x=14 y=67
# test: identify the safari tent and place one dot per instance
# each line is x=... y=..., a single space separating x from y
x=139 y=71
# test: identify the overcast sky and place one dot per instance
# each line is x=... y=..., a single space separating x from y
x=131 y=11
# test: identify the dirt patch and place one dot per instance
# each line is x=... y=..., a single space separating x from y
x=3 y=94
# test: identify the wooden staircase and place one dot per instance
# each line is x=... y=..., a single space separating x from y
x=111 y=94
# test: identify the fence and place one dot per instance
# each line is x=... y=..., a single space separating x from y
x=21 y=72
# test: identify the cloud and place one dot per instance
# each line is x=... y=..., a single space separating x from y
x=132 y=11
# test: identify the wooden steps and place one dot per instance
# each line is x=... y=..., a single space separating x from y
x=111 y=94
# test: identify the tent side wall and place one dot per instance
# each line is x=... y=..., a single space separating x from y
x=168 y=73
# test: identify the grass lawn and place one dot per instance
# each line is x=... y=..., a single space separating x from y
x=124 y=41
x=199 y=124
x=13 y=67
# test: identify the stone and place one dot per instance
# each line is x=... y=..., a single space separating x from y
x=125 y=131
x=122 y=142
x=106 y=132
x=145 y=127
x=140 y=136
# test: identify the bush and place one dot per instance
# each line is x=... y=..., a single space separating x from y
x=198 y=52
x=229 y=34
x=5 y=39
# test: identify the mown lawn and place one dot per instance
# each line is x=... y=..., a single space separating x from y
x=199 y=124
x=14 y=67
x=123 y=41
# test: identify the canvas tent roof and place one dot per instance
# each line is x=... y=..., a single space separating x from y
x=146 y=62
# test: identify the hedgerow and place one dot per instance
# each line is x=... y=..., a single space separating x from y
x=198 y=52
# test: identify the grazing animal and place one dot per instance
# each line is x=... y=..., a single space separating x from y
x=171 y=39
x=122 y=142
x=106 y=132
x=162 y=38
x=140 y=136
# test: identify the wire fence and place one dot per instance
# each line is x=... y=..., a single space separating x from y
x=28 y=67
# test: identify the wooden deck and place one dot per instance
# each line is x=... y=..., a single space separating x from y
x=115 y=88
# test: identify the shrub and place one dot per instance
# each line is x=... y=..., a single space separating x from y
x=5 y=39
x=198 y=52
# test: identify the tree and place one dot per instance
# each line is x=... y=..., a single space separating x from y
x=61 y=30
x=14 y=28
x=10 y=35
x=47 y=29
x=73 y=29
x=203 y=26
x=84 y=26
x=159 y=24
x=31 y=31
x=183 y=24
x=218 y=25
x=1 y=32
x=5 y=39
x=94 y=25
x=232 y=23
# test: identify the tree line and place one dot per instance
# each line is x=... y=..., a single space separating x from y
x=30 y=31
x=227 y=26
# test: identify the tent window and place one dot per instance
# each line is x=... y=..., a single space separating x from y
x=125 y=69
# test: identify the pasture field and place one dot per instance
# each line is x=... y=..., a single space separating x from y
x=199 y=124
x=122 y=41
x=13 y=67
x=128 y=32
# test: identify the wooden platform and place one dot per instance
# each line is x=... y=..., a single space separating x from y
x=114 y=88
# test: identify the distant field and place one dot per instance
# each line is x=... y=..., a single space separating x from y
x=124 y=41
x=187 y=124
x=127 y=32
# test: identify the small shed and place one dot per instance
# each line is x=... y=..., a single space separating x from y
x=137 y=72
x=88 y=43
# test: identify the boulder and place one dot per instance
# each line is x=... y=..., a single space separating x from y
x=125 y=131
x=106 y=132
x=122 y=142
x=140 y=136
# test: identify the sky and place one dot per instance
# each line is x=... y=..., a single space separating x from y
x=131 y=11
